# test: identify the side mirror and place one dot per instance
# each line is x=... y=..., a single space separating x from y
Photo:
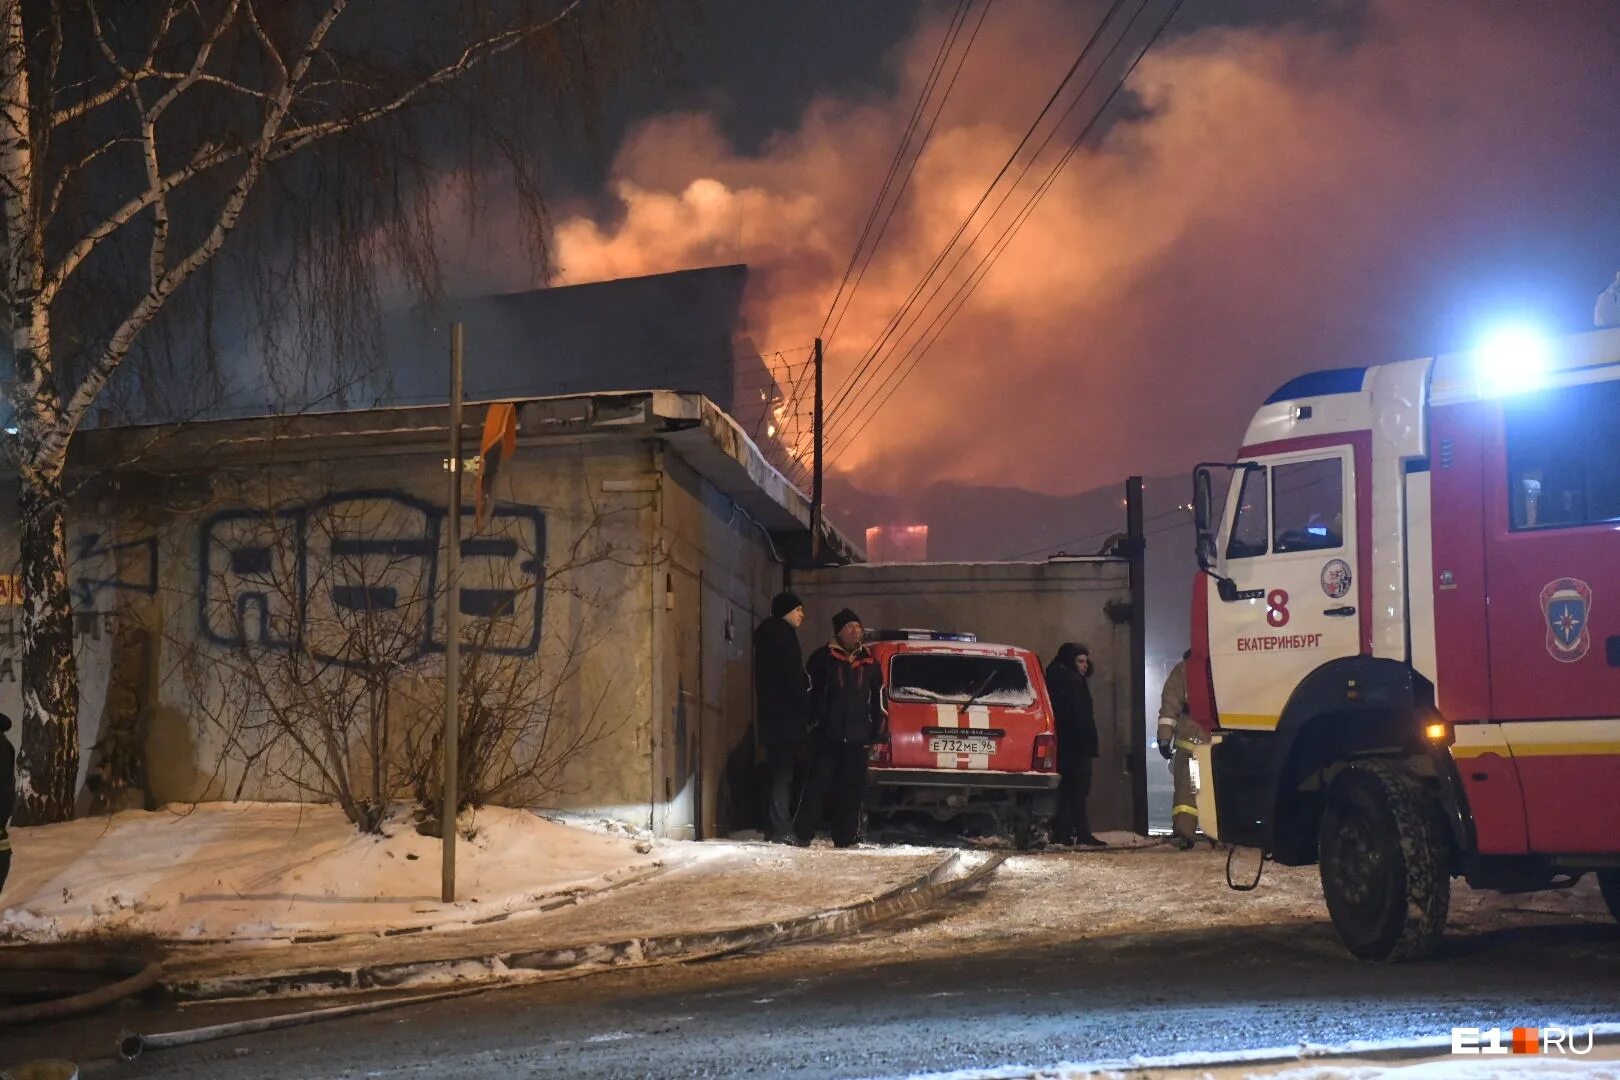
x=1203 y=503
x=1202 y=499
x=1226 y=589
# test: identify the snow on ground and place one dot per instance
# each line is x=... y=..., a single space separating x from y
x=1110 y=896
x=1343 y=1062
x=1454 y=1069
x=241 y=871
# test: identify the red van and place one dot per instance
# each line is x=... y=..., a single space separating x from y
x=969 y=733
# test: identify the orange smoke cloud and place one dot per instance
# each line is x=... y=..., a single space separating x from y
x=1284 y=197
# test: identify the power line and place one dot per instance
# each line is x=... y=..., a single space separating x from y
x=849 y=385
x=952 y=29
x=905 y=181
x=898 y=367
x=965 y=291
x=1099 y=534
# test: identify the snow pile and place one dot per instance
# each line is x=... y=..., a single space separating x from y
x=240 y=871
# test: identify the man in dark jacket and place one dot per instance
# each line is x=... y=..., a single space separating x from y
x=846 y=695
x=783 y=691
x=8 y=795
x=1066 y=681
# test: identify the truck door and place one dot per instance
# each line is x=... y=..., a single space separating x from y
x=1290 y=545
x=1552 y=553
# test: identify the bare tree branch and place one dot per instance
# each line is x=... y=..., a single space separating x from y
x=477 y=53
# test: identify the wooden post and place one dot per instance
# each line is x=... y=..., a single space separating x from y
x=1136 y=548
x=452 y=628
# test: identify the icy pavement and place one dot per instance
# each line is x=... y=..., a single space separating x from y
x=1398 y=1059
x=731 y=885
x=1111 y=896
x=1085 y=957
x=239 y=871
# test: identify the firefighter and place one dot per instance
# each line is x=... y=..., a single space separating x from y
x=783 y=690
x=8 y=795
x=846 y=703
x=1177 y=737
x=1067 y=681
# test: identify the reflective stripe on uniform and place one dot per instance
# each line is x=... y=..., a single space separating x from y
x=1193 y=810
x=5 y=842
x=1190 y=747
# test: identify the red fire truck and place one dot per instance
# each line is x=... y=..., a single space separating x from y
x=1406 y=634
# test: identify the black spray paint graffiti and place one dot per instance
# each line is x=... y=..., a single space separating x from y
x=103 y=570
x=297 y=575
x=98 y=572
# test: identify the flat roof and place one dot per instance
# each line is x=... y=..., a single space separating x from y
x=693 y=426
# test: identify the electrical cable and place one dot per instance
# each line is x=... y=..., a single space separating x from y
x=965 y=291
x=844 y=422
x=906 y=180
x=952 y=29
x=848 y=386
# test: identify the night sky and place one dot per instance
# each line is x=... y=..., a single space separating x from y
x=1284 y=187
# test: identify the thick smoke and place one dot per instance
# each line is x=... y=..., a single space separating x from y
x=1278 y=198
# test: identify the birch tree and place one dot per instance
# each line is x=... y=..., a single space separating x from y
x=141 y=139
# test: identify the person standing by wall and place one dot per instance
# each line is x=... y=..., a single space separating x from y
x=1177 y=738
x=846 y=693
x=783 y=692
x=1067 y=680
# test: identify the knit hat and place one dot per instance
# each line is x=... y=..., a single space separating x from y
x=843 y=619
x=784 y=603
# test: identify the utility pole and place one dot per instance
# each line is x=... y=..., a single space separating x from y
x=1136 y=549
x=452 y=629
x=816 y=552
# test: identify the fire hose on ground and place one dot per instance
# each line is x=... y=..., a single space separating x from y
x=138 y=975
x=131 y=1045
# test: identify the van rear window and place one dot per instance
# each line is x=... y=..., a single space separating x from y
x=958 y=679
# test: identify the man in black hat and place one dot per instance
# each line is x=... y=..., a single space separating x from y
x=8 y=795
x=846 y=697
x=783 y=692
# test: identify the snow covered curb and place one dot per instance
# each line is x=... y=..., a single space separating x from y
x=538 y=965
x=1202 y=1064
x=280 y=872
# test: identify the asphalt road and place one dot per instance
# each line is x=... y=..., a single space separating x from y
x=870 y=1007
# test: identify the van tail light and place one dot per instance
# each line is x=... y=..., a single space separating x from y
x=1046 y=753
x=881 y=753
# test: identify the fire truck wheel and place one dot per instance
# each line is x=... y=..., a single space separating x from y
x=1609 y=883
x=1382 y=850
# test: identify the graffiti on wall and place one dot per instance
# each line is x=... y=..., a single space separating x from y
x=99 y=571
x=307 y=574
x=301 y=573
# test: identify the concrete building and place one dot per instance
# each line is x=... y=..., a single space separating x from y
x=233 y=575
x=636 y=540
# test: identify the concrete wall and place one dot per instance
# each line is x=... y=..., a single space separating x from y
x=160 y=569
x=1034 y=605
x=718 y=575
x=674 y=577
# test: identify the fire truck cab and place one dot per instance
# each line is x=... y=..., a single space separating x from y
x=1406 y=632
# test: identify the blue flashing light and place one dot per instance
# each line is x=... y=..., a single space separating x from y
x=1512 y=359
